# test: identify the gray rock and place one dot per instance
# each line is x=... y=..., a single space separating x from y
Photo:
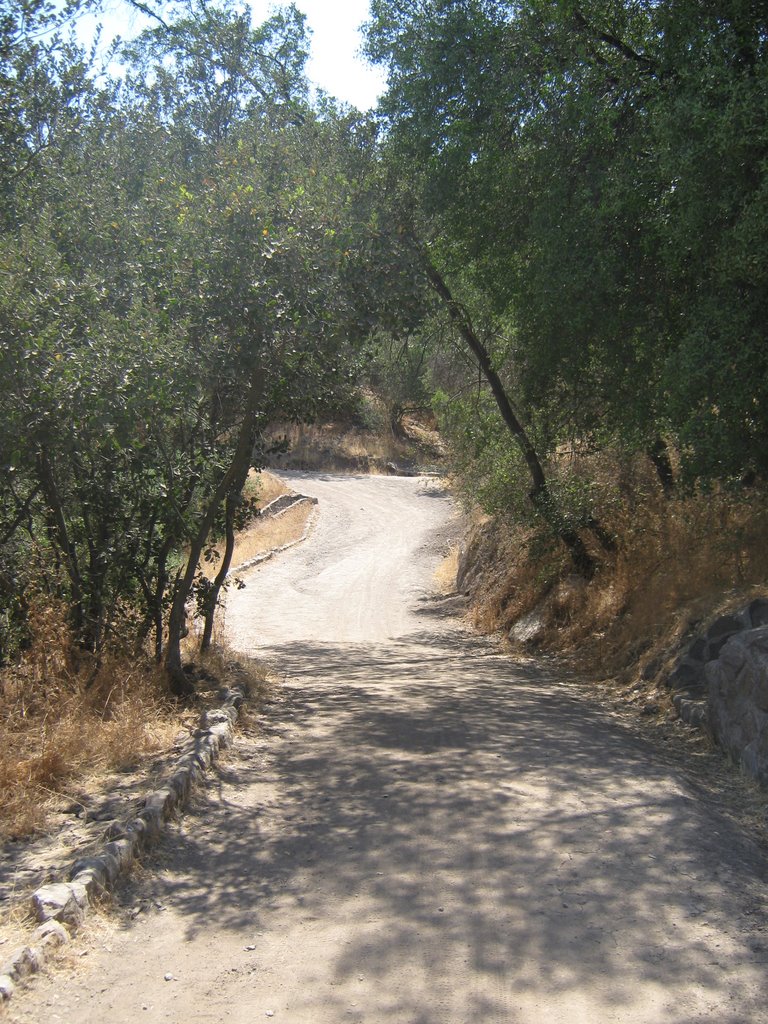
x=51 y=934
x=153 y=818
x=21 y=963
x=738 y=700
x=226 y=714
x=727 y=625
x=698 y=650
x=235 y=696
x=687 y=675
x=123 y=850
x=714 y=647
x=162 y=802
x=179 y=784
x=61 y=901
x=758 y=612
x=95 y=873
x=528 y=630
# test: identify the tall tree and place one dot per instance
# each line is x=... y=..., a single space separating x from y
x=600 y=168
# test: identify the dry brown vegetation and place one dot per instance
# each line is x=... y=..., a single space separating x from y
x=272 y=532
x=62 y=721
x=64 y=730
x=264 y=487
x=266 y=533
x=679 y=561
x=66 y=724
x=447 y=570
x=342 y=447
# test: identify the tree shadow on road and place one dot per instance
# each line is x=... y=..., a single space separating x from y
x=459 y=814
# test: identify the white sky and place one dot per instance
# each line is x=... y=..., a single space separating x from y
x=335 y=64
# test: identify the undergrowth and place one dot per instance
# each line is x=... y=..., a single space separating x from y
x=447 y=570
x=61 y=719
x=63 y=723
x=264 y=534
x=272 y=532
x=678 y=561
x=367 y=445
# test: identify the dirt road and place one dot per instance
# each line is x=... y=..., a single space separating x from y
x=422 y=831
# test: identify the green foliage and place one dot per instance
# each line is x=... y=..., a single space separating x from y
x=183 y=258
x=490 y=469
x=210 y=70
x=599 y=169
x=195 y=251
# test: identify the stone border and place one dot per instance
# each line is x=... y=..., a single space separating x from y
x=282 y=503
x=62 y=906
x=295 y=499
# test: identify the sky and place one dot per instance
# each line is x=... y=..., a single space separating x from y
x=335 y=64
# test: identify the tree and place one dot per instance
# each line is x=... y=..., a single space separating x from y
x=566 y=152
x=98 y=400
x=266 y=243
x=209 y=70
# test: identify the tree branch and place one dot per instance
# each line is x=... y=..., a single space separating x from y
x=648 y=63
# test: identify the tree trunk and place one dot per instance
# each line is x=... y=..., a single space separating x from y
x=180 y=685
x=233 y=499
x=658 y=453
x=539 y=493
x=59 y=530
x=153 y=601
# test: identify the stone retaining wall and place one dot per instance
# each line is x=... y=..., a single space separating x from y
x=737 y=700
x=720 y=684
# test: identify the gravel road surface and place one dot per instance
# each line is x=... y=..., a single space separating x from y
x=422 y=831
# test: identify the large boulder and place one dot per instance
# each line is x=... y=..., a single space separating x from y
x=737 y=684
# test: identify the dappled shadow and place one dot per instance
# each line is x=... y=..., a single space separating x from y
x=462 y=815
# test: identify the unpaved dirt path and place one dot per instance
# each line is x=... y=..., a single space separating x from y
x=422 y=831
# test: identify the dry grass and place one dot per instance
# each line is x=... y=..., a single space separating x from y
x=73 y=758
x=266 y=534
x=447 y=571
x=339 y=447
x=265 y=487
x=678 y=562
x=345 y=448
x=63 y=732
x=220 y=662
x=272 y=532
x=60 y=724
x=261 y=534
x=65 y=727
